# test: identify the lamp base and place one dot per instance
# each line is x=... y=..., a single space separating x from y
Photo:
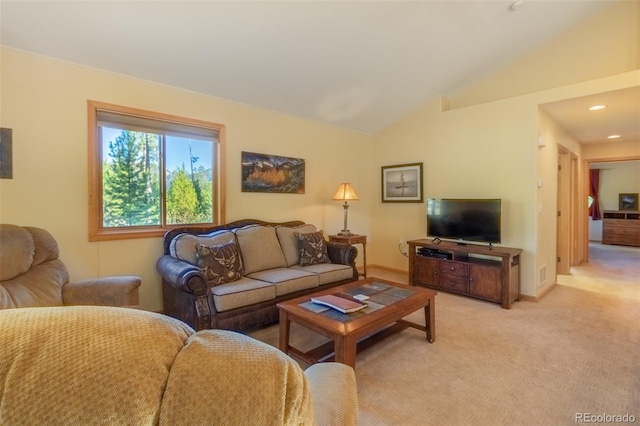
x=345 y=233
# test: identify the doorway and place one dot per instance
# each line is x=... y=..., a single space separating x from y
x=608 y=200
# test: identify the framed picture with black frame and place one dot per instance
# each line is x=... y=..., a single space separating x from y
x=628 y=201
x=402 y=183
x=6 y=154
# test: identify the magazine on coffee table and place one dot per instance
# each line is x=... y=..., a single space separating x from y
x=343 y=303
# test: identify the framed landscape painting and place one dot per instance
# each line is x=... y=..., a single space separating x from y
x=402 y=183
x=272 y=173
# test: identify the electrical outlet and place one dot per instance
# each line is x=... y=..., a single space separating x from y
x=402 y=247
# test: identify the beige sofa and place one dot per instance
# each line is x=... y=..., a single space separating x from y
x=232 y=276
x=82 y=365
x=32 y=274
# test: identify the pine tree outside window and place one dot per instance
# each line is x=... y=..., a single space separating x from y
x=149 y=172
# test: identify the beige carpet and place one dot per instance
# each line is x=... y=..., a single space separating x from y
x=575 y=351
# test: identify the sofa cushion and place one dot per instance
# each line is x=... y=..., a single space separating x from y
x=287 y=280
x=260 y=248
x=328 y=272
x=221 y=263
x=184 y=246
x=312 y=248
x=289 y=242
x=244 y=292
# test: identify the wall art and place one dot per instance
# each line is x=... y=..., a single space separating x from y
x=272 y=173
x=628 y=201
x=402 y=183
x=6 y=154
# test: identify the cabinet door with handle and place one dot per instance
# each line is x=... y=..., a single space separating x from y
x=485 y=282
x=425 y=271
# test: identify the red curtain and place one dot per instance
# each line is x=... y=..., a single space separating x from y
x=594 y=189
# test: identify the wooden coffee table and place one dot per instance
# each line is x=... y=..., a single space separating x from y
x=389 y=302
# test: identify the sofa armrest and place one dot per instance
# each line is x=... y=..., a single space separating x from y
x=334 y=394
x=185 y=292
x=182 y=275
x=107 y=291
x=341 y=253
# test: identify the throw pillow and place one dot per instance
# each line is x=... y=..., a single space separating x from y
x=184 y=246
x=289 y=242
x=221 y=264
x=313 y=248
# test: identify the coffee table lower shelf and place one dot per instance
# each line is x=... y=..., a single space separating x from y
x=326 y=353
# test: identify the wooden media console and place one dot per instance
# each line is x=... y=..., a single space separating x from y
x=483 y=272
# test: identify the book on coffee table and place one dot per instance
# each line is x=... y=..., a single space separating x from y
x=344 y=304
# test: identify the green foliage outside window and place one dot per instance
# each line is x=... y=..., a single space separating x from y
x=131 y=183
x=182 y=200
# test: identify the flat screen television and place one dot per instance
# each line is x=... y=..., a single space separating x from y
x=473 y=220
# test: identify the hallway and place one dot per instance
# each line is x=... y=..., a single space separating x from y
x=611 y=269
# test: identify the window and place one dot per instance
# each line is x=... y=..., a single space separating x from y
x=149 y=172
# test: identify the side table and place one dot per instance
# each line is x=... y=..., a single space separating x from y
x=353 y=239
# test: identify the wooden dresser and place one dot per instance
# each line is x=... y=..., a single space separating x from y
x=621 y=227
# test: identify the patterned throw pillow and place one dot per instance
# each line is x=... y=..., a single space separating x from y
x=221 y=264
x=313 y=248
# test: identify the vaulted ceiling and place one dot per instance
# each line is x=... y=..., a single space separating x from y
x=360 y=65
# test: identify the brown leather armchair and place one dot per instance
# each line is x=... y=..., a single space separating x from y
x=31 y=275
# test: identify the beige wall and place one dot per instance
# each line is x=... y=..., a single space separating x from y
x=553 y=138
x=486 y=150
x=616 y=150
x=618 y=178
x=44 y=101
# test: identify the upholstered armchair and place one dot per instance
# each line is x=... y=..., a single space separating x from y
x=134 y=367
x=32 y=275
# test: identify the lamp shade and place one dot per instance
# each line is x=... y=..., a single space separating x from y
x=345 y=192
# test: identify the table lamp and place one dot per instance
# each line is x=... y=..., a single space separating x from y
x=345 y=192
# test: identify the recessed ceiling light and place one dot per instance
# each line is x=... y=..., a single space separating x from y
x=596 y=107
x=613 y=137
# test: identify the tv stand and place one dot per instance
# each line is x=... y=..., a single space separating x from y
x=483 y=272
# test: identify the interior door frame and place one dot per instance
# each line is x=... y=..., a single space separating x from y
x=564 y=222
x=584 y=209
x=576 y=254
